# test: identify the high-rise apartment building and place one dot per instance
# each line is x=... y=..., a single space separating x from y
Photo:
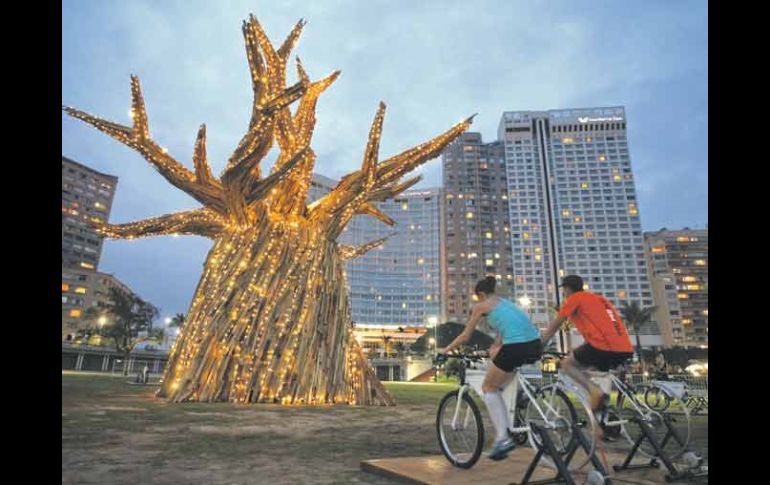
x=573 y=208
x=678 y=265
x=398 y=283
x=476 y=238
x=85 y=195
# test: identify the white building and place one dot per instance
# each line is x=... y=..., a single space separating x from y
x=573 y=208
x=399 y=283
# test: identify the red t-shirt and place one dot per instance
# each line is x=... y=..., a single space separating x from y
x=597 y=321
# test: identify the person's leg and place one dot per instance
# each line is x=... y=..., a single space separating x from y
x=577 y=371
x=494 y=380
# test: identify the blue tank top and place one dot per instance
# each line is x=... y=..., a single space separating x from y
x=512 y=323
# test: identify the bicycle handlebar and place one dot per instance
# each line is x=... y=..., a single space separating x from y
x=560 y=355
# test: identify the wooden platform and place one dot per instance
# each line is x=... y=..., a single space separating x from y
x=435 y=469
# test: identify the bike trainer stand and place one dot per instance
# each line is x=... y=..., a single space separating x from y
x=649 y=435
x=547 y=448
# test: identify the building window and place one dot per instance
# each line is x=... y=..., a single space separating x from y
x=76 y=313
x=65 y=287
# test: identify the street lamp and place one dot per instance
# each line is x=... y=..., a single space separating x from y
x=102 y=321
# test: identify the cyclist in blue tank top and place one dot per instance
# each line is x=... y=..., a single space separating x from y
x=518 y=342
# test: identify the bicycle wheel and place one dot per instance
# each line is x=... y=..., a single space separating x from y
x=670 y=426
x=655 y=398
x=553 y=410
x=460 y=430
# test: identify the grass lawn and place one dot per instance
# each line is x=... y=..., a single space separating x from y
x=116 y=432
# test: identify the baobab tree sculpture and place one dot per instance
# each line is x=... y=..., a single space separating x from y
x=270 y=318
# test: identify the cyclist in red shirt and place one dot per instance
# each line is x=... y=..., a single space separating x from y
x=607 y=343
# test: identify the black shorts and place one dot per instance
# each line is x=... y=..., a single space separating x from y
x=512 y=356
x=604 y=360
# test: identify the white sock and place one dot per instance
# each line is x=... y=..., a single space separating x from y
x=498 y=413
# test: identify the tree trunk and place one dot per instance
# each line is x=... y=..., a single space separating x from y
x=126 y=356
x=270 y=322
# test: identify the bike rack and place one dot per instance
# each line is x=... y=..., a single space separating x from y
x=547 y=448
x=648 y=434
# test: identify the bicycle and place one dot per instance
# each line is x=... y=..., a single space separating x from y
x=614 y=419
x=460 y=428
x=658 y=392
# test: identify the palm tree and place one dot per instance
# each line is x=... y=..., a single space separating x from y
x=178 y=320
x=636 y=316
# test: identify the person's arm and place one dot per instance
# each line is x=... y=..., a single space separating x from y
x=568 y=308
x=553 y=327
x=466 y=334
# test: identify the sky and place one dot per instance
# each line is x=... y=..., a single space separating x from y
x=432 y=62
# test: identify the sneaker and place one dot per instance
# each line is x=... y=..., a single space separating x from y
x=501 y=449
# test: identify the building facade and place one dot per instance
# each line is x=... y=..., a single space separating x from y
x=399 y=283
x=85 y=195
x=475 y=222
x=573 y=208
x=83 y=289
x=678 y=265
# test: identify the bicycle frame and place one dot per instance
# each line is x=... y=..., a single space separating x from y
x=474 y=379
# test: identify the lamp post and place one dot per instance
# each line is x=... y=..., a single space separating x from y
x=433 y=322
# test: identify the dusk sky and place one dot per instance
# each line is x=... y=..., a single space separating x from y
x=432 y=62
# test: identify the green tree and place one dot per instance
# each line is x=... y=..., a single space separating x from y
x=635 y=316
x=178 y=320
x=124 y=320
x=448 y=332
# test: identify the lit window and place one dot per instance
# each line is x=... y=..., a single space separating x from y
x=80 y=290
x=538 y=250
x=489 y=262
x=469 y=215
x=504 y=197
x=617 y=178
x=686 y=321
x=449 y=196
x=429 y=297
x=700 y=262
x=525 y=236
x=565 y=212
x=87 y=265
x=460 y=196
x=537 y=257
x=689 y=279
x=483 y=166
x=682 y=296
x=509 y=276
x=420 y=260
x=65 y=287
x=578 y=219
x=474 y=297
x=683 y=239
x=75 y=313
x=602 y=158
x=567 y=140
x=621 y=294
x=658 y=250
x=584 y=185
x=588 y=234
x=403 y=305
x=693 y=287
x=497 y=255
x=405 y=206
x=99 y=205
x=706 y=312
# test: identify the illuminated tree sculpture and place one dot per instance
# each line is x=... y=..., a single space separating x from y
x=270 y=318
